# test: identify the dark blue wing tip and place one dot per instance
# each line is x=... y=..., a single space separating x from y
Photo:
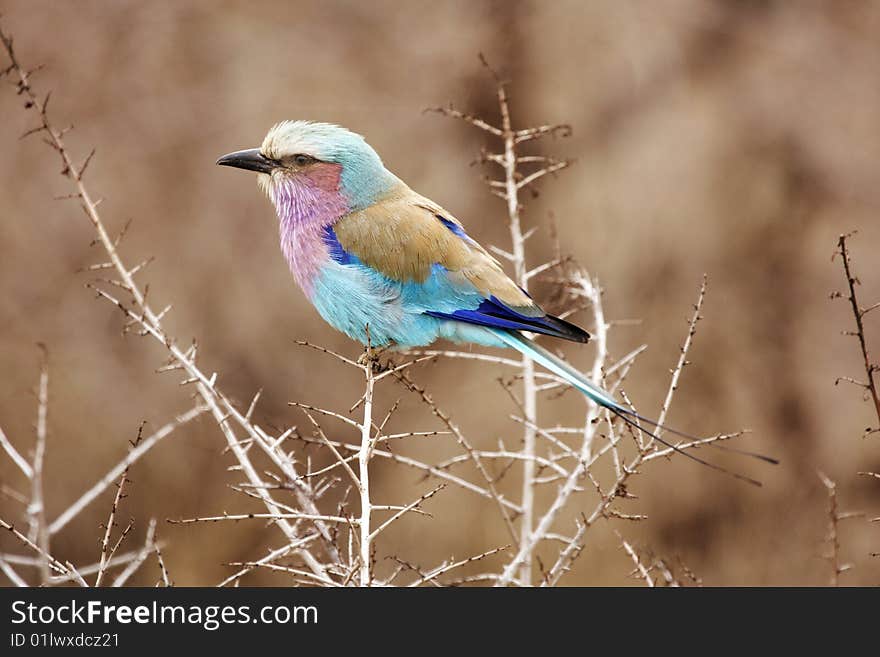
x=492 y=313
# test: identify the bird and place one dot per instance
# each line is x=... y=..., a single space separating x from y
x=389 y=267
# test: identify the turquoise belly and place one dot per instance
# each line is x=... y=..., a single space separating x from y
x=351 y=297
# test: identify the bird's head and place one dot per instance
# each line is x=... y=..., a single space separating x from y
x=320 y=157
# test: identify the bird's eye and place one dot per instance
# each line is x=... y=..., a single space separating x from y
x=302 y=160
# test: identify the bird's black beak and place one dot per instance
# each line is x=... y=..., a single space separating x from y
x=250 y=159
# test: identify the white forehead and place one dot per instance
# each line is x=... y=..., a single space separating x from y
x=320 y=140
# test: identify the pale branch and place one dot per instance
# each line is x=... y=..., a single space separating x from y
x=446 y=567
x=284 y=550
x=540 y=173
x=329 y=352
x=235 y=517
x=76 y=575
x=832 y=536
x=308 y=578
x=451 y=112
x=682 y=359
x=547 y=266
x=504 y=454
x=613 y=440
x=340 y=460
x=17 y=458
x=412 y=506
x=381 y=439
x=166 y=579
x=582 y=285
x=548 y=435
x=36 y=511
x=392 y=369
x=12 y=494
x=107 y=551
x=692 y=444
x=140 y=557
x=322 y=411
x=363 y=480
x=500 y=360
x=558 y=130
x=124 y=559
x=54 y=564
x=637 y=562
x=501 y=252
x=20 y=560
x=13 y=576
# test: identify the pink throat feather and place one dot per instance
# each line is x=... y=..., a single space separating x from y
x=306 y=204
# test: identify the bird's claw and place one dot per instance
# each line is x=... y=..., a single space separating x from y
x=371 y=357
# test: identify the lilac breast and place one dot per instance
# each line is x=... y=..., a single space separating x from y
x=305 y=206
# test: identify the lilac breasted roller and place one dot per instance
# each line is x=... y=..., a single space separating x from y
x=368 y=251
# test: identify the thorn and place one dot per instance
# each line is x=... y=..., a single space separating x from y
x=122 y=232
x=85 y=164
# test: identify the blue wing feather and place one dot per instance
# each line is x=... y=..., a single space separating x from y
x=442 y=297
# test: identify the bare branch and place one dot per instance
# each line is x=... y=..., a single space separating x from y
x=858 y=314
x=269 y=558
x=445 y=568
x=409 y=507
x=36 y=510
x=682 y=359
x=166 y=580
x=13 y=576
x=235 y=517
x=106 y=551
x=643 y=571
x=54 y=564
x=139 y=558
x=17 y=458
x=451 y=112
x=832 y=536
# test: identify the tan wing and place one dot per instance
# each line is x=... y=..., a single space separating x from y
x=405 y=234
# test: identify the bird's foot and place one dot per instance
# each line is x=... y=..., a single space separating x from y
x=371 y=357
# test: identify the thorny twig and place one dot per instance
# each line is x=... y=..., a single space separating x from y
x=36 y=510
x=833 y=534
x=871 y=369
x=107 y=551
x=642 y=570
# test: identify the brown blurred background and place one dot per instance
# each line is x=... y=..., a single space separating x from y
x=734 y=138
